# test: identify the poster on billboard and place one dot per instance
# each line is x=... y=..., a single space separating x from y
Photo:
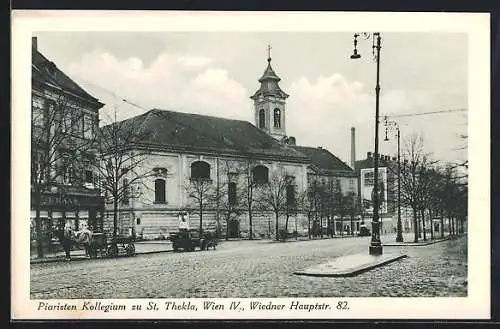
x=184 y=220
x=367 y=183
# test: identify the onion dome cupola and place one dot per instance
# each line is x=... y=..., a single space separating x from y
x=269 y=103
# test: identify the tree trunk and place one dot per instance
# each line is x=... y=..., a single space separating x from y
x=309 y=225
x=449 y=224
x=352 y=222
x=227 y=229
x=415 y=224
x=422 y=212
x=38 y=229
x=250 y=222
x=115 y=218
x=442 y=223
x=321 y=226
x=341 y=225
x=286 y=222
x=277 y=227
x=453 y=225
x=334 y=224
x=201 y=218
x=431 y=224
x=328 y=228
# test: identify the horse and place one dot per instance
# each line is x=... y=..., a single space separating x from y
x=66 y=238
x=84 y=237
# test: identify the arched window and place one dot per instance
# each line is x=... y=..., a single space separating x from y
x=277 y=118
x=260 y=174
x=200 y=170
x=262 y=118
x=159 y=191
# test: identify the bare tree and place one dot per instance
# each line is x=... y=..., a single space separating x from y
x=228 y=199
x=412 y=182
x=249 y=196
x=202 y=194
x=273 y=196
x=308 y=201
x=121 y=164
x=62 y=139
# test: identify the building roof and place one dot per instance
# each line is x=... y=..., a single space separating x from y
x=324 y=160
x=46 y=71
x=370 y=163
x=206 y=134
x=269 y=73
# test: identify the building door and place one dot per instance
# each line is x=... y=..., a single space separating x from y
x=233 y=228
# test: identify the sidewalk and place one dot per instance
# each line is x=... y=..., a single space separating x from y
x=141 y=247
x=389 y=240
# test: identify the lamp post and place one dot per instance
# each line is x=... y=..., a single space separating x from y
x=375 y=244
x=394 y=125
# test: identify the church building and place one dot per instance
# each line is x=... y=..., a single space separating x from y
x=213 y=173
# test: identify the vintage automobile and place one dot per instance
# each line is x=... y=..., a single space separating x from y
x=364 y=231
x=189 y=240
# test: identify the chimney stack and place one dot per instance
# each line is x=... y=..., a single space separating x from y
x=34 y=43
x=353 y=147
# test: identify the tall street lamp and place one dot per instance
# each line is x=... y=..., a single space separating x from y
x=390 y=125
x=375 y=244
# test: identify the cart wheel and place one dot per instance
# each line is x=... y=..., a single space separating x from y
x=130 y=249
x=112 y=251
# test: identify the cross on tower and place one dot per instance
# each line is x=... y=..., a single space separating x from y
x=269 y=53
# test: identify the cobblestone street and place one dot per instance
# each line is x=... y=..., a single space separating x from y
x=256 y=269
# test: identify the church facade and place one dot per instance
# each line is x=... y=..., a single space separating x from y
x=224 y=175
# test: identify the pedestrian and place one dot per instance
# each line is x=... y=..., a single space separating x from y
x=67 y=241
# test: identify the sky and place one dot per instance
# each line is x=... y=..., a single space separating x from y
x=215 y=73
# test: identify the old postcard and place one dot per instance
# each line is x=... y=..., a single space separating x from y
x=250 y=165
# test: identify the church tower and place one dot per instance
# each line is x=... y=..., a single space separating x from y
x=269 y=103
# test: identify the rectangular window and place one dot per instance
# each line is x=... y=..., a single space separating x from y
x=38 y=111
x=78 y=126
x=232 y=193
x=89 y=177
x=67 y=174
x=125 y=186
x=66 y=124
x=290 y=195
x=36 y=166
x=88 y=126
x=160 y=191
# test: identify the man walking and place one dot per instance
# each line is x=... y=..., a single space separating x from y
x=67 y=241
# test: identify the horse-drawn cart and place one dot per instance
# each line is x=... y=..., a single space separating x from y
x=99 y=245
